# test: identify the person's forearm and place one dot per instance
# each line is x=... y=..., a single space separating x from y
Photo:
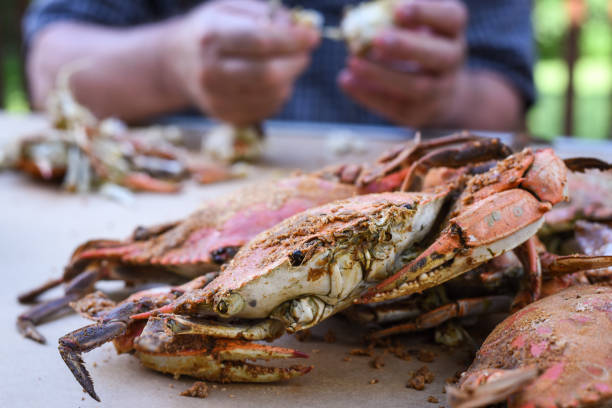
x=123 y=72
x=484 y=100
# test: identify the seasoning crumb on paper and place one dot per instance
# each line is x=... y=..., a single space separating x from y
x=199 y=389
x=377 y=362
x=373 y=381
x=399 y=351
x=432 y=399
x=346 y=359
x=419 y=378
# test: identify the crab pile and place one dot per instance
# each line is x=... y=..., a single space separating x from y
x=84 y=153
x=402 y=231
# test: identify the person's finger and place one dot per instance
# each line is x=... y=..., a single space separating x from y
x=433 y=54
x=446 y=17
x=383 y=105
x=258 y=74
x=399 y=111
x=405 y=86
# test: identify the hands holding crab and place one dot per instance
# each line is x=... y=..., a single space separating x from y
x=238 y=61
x=412 y=71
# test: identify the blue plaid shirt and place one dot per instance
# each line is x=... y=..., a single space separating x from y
x=499 y=39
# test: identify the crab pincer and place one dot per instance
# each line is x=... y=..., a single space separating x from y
x=215 y=351
x=113 y=325
x=496 y=212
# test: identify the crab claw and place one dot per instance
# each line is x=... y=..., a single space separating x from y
x=490 y=387
x=89 y=337
x=483 y=231
x=556 y=265
x=182 y=346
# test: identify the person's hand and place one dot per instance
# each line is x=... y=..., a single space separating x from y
x=411 y=74
x=237 y=60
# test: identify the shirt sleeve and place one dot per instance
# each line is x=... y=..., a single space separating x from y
x=500 y=39
x=118 y=13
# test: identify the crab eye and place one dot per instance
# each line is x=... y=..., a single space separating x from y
x=222 y=307
x=296 y=258
x=230 y=305
x=408 y=206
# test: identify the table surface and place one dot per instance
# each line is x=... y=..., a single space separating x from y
x=40 y=226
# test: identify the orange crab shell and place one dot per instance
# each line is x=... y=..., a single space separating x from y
x=567 y=337
x=228 y=223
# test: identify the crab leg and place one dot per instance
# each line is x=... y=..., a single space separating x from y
x=556 y=265
x=33 y=294
x=460 y=308
x=82 y=284
x=468 y=153
x=479 y=150
x=483 y=231
x=409 y=154
x=580 y=164
x=89 y=337
x=531 y=283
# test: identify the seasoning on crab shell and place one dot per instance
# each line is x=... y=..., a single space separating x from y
x=565 y=337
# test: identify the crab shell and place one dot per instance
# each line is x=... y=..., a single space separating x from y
x=567 y=337
x=211 y=235
x=318 y=261
x=591 y=195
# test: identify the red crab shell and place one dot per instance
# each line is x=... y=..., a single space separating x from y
x=568 y=338
x=201 y=240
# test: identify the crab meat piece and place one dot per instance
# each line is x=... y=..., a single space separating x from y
x=231 y=143
x=554 y=353
x=362 y=23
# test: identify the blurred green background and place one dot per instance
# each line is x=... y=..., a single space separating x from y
x=552 y=19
